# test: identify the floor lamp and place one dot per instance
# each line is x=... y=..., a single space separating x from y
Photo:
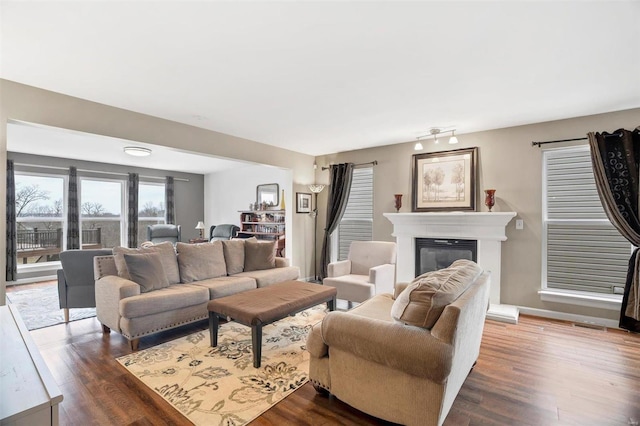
x=316 y=189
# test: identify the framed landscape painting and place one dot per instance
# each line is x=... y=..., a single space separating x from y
x=444 y=181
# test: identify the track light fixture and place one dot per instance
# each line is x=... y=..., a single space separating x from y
x=433 y=133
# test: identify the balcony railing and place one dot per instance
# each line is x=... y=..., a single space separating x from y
x=45 y=243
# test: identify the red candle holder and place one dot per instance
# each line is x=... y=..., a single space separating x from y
x=490 y=198
x=398 y=202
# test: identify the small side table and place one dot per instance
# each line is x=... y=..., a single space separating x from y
x=198 y=240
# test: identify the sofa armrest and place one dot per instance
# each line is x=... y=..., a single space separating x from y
x=315 y=345
x=282 y=262
x=110 y=290
x=383 y=277
x=409 y=349
x=337 y=269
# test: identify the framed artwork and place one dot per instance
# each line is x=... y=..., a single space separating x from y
x=444 y=181
x=303 y=202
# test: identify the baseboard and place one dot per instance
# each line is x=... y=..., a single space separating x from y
x=32 y=280
x=578 y=319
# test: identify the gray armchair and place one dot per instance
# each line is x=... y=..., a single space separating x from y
x=160 y=233
x=223 y=232
x=76 y=285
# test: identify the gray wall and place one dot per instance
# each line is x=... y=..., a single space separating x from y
x=508 y=163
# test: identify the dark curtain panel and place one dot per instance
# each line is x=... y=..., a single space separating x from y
x=132 y=210
x=339 y=188
x=12 y=250
x=616 y=163
x=73 y=212
x=170 y=211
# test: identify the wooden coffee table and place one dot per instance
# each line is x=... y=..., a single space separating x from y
x=262 y=306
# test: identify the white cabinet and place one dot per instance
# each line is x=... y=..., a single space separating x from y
x=28 y=394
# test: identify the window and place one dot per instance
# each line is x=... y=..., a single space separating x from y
x=357 y=221
x=150 y=207
x=584 y=252
x=101 y=213
x=40 y=217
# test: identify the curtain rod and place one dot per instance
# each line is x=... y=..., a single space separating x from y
x=38 y=166
x=373 y=163
x=561 y=140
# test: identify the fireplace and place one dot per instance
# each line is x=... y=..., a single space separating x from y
x=486 y=229
x=438 y=253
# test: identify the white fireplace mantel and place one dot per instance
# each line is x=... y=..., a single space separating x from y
x=487 y=228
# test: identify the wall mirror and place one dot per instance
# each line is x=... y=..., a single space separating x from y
x=268 y=193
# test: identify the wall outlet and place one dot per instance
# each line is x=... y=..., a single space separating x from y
x=519 y=224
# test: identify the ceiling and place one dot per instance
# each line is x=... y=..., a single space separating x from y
x=324 y=77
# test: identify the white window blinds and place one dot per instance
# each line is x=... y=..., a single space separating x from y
x=584 y=252
x=357 y=221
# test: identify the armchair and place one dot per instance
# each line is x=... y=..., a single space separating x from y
x=76 y=286
x=223 y=232
x=369 y=270
x=160 y=233
x=404 y=358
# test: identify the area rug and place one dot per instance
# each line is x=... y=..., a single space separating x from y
x=220 y=386
x=40 y=307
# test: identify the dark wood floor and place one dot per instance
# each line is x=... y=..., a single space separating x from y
x=539 y=372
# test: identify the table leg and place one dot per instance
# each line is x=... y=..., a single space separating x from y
x=331 y=304
x=256 y=341
x=213 y=329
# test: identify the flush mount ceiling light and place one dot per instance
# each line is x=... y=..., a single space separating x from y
x=433 y=133
x=137 y=151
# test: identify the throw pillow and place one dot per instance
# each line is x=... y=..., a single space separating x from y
x=145 y=269
x=233 y=256
x=422 y=302
x=259 y=255
x=201 y=261
x=167 y=258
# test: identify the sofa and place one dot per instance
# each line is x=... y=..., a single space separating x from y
x=76 y=286
x=147 y=290
x=404 y=357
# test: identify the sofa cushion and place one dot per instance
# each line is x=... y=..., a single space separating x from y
x=266 y=277
x=259 y=255
x=422 y=302
x=167 y=258
x=226 y=286
x=145 y=269
x=163 y=301
x=233 y=255
x=200 y=261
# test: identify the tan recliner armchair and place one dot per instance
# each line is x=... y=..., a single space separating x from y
x=401 y=373
x=370 y=269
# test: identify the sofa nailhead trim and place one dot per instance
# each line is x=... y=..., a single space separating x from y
x=169 y=326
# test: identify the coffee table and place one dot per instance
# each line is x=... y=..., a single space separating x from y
x=262 y=306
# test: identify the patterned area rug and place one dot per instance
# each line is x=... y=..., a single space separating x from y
x=39 y=306
x=220 y=386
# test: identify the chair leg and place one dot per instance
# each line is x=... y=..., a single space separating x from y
x=349 y=304
x=66 y=314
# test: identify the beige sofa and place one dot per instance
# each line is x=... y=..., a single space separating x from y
x=404 y=359
x=143 y=291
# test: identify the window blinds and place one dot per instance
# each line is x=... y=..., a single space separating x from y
x=584 y=252
x=357 y=221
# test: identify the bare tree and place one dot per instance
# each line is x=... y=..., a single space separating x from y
x=458 y=178
x=28 y=195
x=92 y=209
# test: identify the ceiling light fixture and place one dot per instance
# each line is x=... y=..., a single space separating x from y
x=137 y=151
x=453 y=139
x=418 y=146
x=433 y=133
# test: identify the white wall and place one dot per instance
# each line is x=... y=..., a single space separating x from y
x=227 y=192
